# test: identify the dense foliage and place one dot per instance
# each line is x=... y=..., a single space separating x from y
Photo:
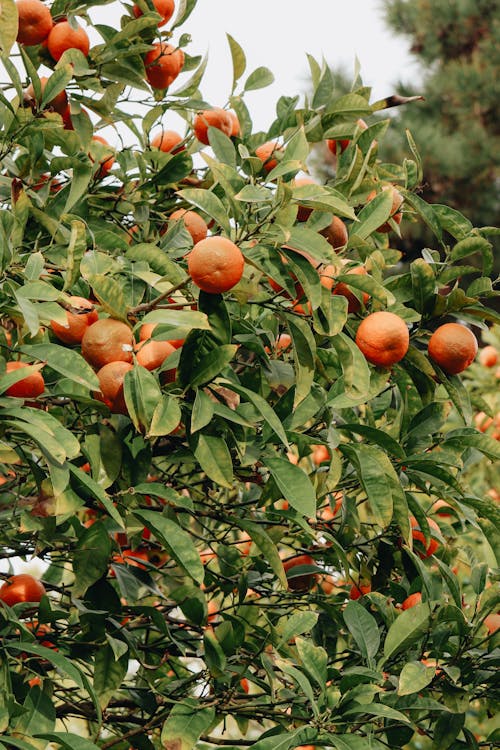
x=229 y=553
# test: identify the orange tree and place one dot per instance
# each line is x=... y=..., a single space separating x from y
x=243 y=478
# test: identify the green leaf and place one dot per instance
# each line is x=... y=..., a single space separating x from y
x=66 y=666
x=56 y=84
x=187 y=721
x=471 y=245
x=184 y=10
x=259 y=79
x=238 y=58
x=424 y=210
x=356 y=380
x=96 y=492
x=452 y=221
x=222 y=146
x=39 y=715
x=294 y=484
x=260 y=404
x=74 y=254
x=367 y=463
x=314 y=659
x=91 y=557
x=80 y=180
x=304 y=350
x=69 y=740
x=301 y=680
x=214 y=457
x=212 y=365
x=178 y=542
x=424 y=286
x=414 y=677
x=324 y=90
x=350 y=104
x=109 y=673
x=209 y=203
x=67 y=362
x=447 y=729
x=408 y=628
x=166 y=417
x=142 y=396
x=373 y=215
x=296 y=624
x=109 y=292
x=182 y=319
x=203 y=411
x=8 y=26
x=364 y=629
x=266 y=546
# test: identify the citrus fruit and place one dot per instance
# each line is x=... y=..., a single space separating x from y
x=29 y=387
x=163 y=64
x=418 y=536
x=165 y=8
x=167 y=141
x=64 y=37
x=213 y=118
x=215 y=264
x=76 y=323
x=152 y=354
x=336 y=233
x=21 y=588
x=453 y=347
x=492 y=622
x=105 y=163
x=412 y=600
x=357 y=592
x=107 y=340
x=35 y=22
x=299 y=582
x=344 y=290
x=266 y=153
x=488 y=356
x=195 y=225
x=111 y=377
x=383 y=338
x=58 y=104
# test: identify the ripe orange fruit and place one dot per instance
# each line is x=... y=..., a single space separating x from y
x=245 y=685
x=152 y=354
x=336 y=233
x=354 y=305
x=64 y=37
x=418 y=536
x=301 y=582
x=215 y=264
x=440 y=508
x=163 y=64
x=131 y=557
x=111 y=378
x=320 y=454
x=213 y=118
x=327 y=513
x=266 y=153
x=105 y=163
x=412 y=600
x=396 y=215
x=492 y=623
x=357 y=592
x=383 y=338
x=164 y=7
x=29 y=387
x=488 y=356
x=21 y=588
x=107 y=340
x=195 y=225
x=167 y=140
x=35 y=22
x=58 y=104
x=482 y=421
x=453 y=347
x=76 y=323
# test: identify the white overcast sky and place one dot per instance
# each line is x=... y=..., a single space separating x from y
x=279 y=33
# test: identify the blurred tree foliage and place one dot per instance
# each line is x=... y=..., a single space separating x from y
x=457 y=126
